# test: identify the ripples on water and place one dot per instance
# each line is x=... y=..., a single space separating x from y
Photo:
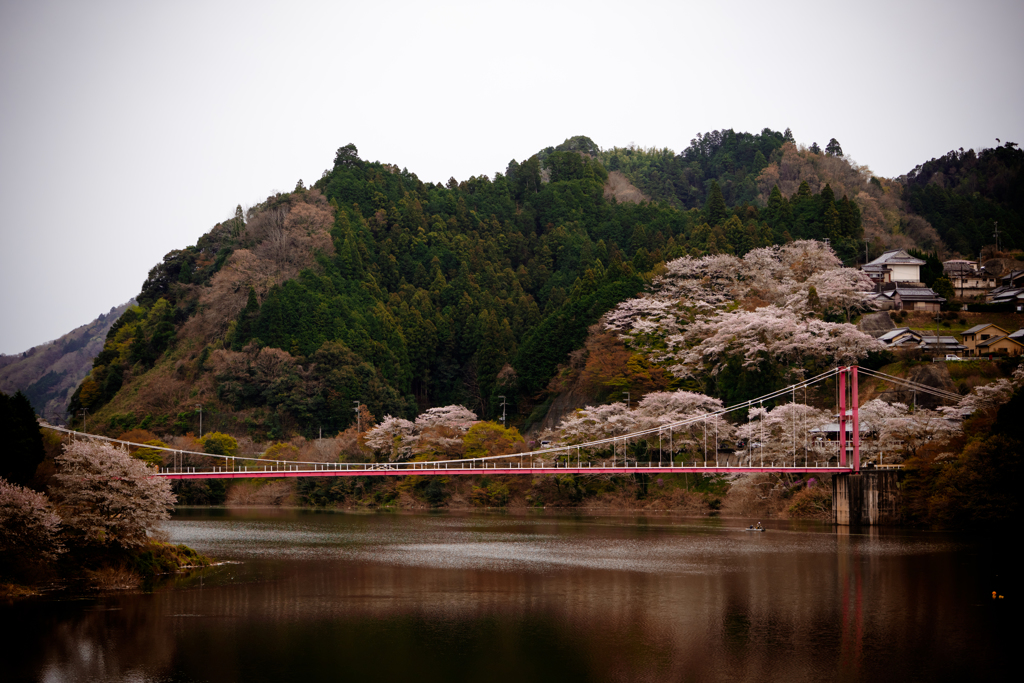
x=538 y=597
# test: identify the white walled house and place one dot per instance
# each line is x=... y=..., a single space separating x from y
x=894 y=265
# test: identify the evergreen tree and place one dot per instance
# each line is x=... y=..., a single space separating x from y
x=715 y=211
x=833 y=149
x=23 y=444
x=944 y=288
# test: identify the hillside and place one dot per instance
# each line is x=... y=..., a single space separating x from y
x=747 y=167
x=374 y=287
x=967 y=195
x=49 y=373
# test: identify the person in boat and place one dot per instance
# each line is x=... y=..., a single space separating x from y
x=759 y=527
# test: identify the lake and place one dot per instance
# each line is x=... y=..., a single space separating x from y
x=310 y=596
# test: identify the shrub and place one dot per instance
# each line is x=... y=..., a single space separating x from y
x=813 y=502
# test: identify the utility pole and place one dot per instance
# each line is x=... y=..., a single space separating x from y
x=358 y=419
x=84 y=412
x=996 y=234
x=502 y=411
x=626 y=394
x=200 y=409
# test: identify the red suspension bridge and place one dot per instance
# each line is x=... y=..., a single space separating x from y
x=838 y=457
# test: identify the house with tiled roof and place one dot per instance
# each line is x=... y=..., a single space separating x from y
x=908 y=296
x=979 y=334
x=940 y=344
x=901 y=337
x=895 y=265
x=967 y=278
x=906 y=338
x=1010 y=290
x=1000 y=346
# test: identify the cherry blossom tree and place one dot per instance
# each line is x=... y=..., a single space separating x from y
x=394 y=435
x=916 y=429
x=438 y=431
x=105 y=497
x=984 y=397
x=784 y=432
x=767 y=334
x=29 y=529
x=842 y=289
x=454 y=416
x=596 y=422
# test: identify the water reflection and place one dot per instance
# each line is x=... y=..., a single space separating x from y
x=450 y=597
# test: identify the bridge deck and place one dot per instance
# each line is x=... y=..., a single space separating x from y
x=395 y=470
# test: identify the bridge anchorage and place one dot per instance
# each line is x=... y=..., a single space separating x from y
x=859 y=497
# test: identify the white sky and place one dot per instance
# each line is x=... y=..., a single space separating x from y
x=128 y=129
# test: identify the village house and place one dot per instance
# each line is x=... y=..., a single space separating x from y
x=901 y=337
x=907 y=296
x=941 y=344
x=895 y=265
x=999 y=346
x=968 y=279
x=991 y=340
x=936 y=345
x=898 y=286
x=1010 y=290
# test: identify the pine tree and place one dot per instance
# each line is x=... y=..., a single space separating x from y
x=833 y=149
x=715 y=211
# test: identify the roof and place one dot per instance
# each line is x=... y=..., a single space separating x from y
x=1018 y=335
x=1006 y=295
x=979 y=328
x=897 y=257
x=891 y=336
x=996 y=340
x=943 y=342
x=958 y=266
x=917 y=292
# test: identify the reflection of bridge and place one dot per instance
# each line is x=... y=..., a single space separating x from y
x=576 y=458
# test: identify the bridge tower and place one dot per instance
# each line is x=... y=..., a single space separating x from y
x=860 y=498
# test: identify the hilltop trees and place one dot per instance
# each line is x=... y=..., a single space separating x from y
x=964 y=194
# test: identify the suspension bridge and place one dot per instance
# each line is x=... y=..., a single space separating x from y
x=708 y=458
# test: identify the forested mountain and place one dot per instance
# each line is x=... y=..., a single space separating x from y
x=748 y=167
x=48 y=374
x=965 y=194
x=376 y=288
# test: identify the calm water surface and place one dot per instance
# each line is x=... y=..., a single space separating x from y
x=311 y=596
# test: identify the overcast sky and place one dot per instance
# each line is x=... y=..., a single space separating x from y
x=129 y=129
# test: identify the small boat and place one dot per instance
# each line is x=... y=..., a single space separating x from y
x=754 y=528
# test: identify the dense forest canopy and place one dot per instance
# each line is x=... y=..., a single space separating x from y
x=965 y=195
x=373 y=287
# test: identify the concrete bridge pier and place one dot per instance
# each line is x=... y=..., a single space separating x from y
x=866 y=498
